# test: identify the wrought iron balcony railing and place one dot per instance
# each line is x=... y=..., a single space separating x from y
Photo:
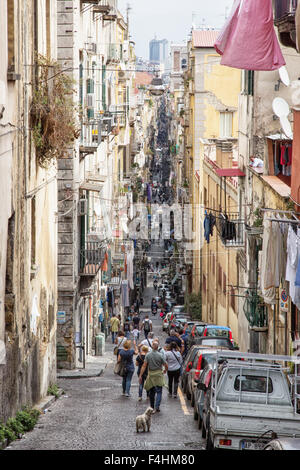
x=284 y=19
x=91 y=258
x=255 y=310
x=231 y=230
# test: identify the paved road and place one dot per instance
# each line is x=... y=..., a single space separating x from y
x=93 y=415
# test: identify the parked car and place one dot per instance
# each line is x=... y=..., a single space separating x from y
x=250 y=397
x=215 y=341
x=196 y=332
x=177 y=322
x=200 y=392
x=292 y=443
x=189 y=326
x=187 y=364
x=217 y=330
x=178 y=308
x=204 y=357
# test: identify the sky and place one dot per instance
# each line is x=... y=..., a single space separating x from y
x=170 y=19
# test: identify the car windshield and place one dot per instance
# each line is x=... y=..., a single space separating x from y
x=215 y=342
x=199 y=330
x=252 y=383
x=217 y=332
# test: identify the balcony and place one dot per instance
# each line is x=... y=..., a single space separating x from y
x=231 y=230
x=103 y=8
x=284 y=19
x=114 y=53
x=91 y=258
x=255 y=311
x=119 y=112
x=90 y=137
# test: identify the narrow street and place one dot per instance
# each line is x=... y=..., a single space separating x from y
x=93 y=414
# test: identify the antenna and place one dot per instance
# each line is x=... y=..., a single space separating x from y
x=282 y=110
x=284 y=76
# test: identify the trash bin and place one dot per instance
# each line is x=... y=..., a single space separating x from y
x=100 y=344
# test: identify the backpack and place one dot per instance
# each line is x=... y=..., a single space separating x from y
x=146 y=325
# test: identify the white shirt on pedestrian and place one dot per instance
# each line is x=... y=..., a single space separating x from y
x=174 y=360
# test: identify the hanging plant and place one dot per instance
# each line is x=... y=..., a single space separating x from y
x=53 y=112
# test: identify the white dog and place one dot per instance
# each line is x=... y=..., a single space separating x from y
x=144 y=420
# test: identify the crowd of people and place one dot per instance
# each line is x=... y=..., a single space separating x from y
x=153 y=361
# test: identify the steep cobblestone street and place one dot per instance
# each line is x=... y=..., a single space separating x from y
x=92 y=414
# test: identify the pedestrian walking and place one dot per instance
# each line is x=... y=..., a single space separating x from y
x=155 y=361
x=175 y=337
x=120 y=341
x=147 y=341
x=139 y=363
x=174 y=361
x=147 y=326
x=127 y=328
x=135 y=335
x=136 y=321
x=126 y=355
x=114 y=326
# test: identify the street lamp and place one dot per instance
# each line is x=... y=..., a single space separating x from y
x=156 y=87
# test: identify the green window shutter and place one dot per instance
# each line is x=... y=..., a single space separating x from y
x=90 y=85
x=104 y=87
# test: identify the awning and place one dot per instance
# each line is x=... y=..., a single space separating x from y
x=229 y=172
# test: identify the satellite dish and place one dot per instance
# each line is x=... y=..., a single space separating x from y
x=280 y=107
x=284 y=76
x=286 y=127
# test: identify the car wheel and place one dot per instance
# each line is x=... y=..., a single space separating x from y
x=203 y=430
x=195 y=413
x=209 y=442
x=192 y=400
x=199 y=422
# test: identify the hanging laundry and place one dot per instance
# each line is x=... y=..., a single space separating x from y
x=269 y=278
x=248 y=40
x=206 y=224
x=209 y=223
x=227 y=228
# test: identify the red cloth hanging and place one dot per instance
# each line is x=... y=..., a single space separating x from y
x=248 y=39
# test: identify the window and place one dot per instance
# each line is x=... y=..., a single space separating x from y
x=204 y=284
x=199 y=330
x=252 y=383
x=232 y=299
x=280 y=159
x=226 y=124
x=224 y=283
x=248 y=82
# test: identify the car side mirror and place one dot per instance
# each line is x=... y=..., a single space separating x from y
x=202 y=386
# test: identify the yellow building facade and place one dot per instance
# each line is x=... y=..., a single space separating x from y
x=212 y=145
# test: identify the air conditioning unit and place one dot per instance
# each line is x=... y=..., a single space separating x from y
x=90 y=100
x=122 y=75
x=83 y=207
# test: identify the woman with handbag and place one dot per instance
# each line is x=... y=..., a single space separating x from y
x=174 y=361
x=119 y=341
x=126 y=357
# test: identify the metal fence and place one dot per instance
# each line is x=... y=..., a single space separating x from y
x=91 y=258
x=231 y=229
